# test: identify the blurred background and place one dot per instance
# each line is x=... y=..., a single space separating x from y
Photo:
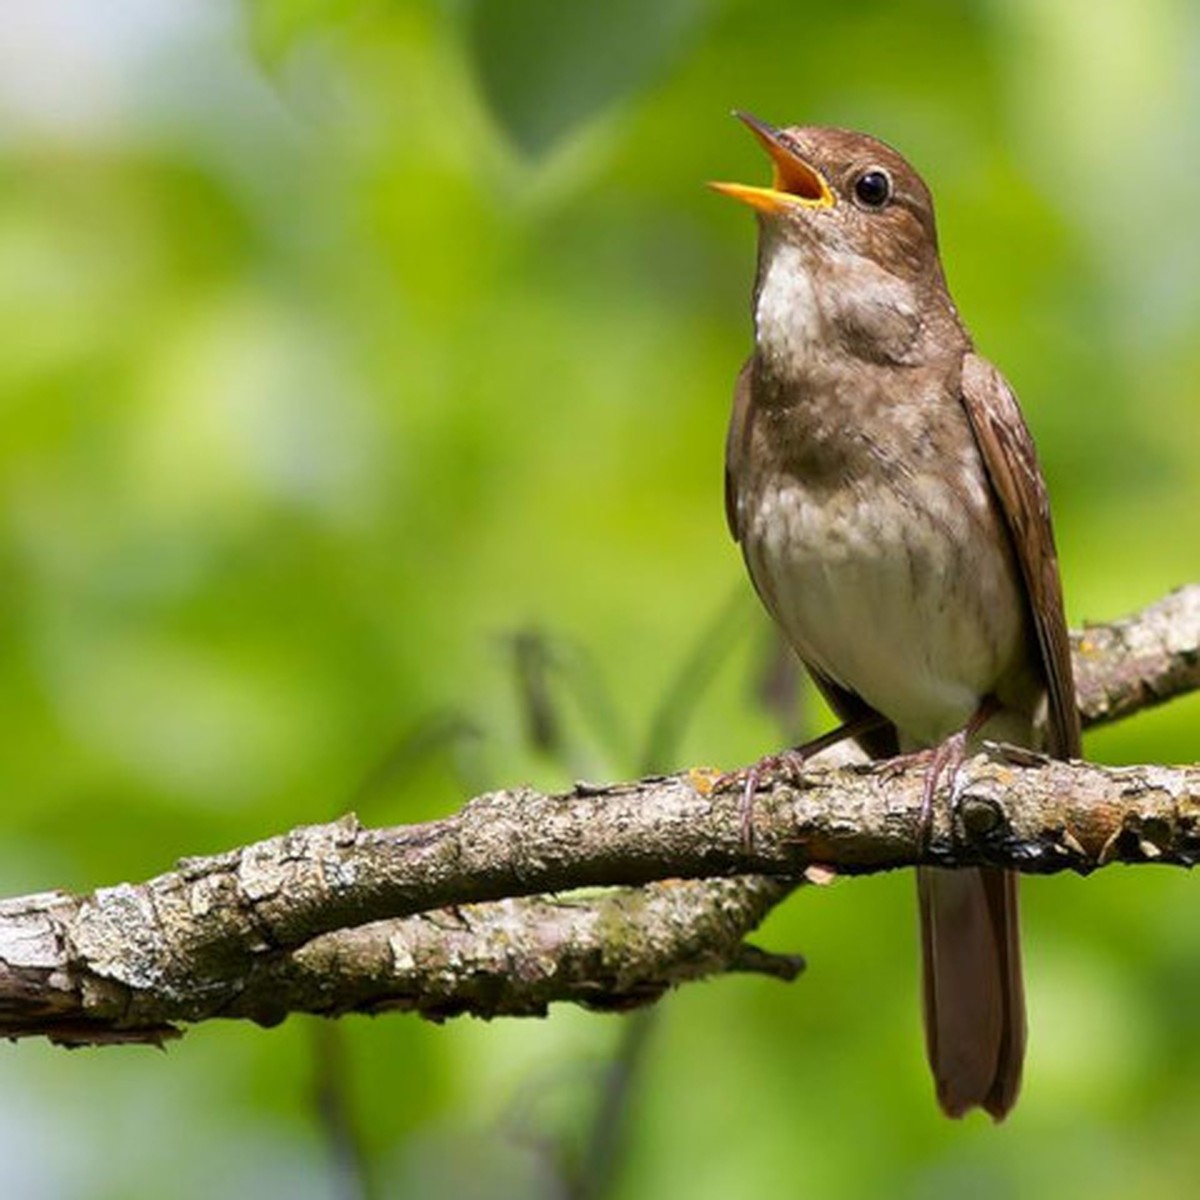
x=364 y=371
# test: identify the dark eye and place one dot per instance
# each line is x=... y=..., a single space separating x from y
x=873 y=188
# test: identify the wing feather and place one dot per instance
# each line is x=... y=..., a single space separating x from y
x=1010 y=459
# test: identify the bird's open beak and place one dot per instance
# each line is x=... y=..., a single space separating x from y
x=794 y=182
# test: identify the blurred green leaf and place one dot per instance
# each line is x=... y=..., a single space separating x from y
x=278 y=26
x=546 y=66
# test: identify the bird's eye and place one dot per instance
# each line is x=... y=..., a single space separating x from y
x=873 y=188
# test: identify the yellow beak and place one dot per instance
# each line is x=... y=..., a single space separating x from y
x=794 y=182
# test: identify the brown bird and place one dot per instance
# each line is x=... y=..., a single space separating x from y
x=891 y=511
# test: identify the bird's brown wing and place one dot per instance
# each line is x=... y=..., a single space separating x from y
x=1010 y=459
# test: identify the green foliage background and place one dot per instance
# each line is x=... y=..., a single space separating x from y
x=341 y=342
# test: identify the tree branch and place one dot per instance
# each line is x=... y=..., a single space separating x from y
x=1139 y=662
x=334 y=918
x=66 y=973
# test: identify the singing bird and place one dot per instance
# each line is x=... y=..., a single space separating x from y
x=885 y=491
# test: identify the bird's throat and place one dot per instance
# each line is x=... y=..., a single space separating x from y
x=818 y=310
x=789 y=325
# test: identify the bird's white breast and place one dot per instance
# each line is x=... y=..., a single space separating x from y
x=890 y=594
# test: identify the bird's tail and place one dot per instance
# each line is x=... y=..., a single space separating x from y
x=973 y=992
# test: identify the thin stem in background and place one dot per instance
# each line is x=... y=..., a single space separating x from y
x=333 y=1092
x=443 y=731
x=549 y=670
x=681 y=698
x=607 y=1138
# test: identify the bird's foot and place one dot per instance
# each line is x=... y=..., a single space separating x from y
x=947 y=758
x=747 y=779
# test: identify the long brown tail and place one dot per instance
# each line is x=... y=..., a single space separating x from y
x=974 y=997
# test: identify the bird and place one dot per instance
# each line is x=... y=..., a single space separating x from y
x=887 y=498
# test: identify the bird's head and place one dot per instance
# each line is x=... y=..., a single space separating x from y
x=847 y=245
x=844 y=192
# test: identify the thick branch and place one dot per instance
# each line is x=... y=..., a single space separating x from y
x=289 y=923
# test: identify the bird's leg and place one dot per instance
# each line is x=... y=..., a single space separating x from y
x=950 y=755
x=792 y=759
